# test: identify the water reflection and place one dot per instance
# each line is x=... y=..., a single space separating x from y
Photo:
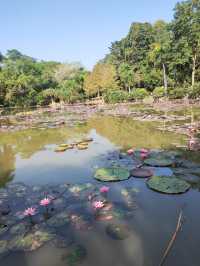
x=7 y=163
x=29 y=154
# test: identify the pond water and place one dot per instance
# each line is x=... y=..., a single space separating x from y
x=81 y=236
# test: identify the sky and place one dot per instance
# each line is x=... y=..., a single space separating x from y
x=73 y=30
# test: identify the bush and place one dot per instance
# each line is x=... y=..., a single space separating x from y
x=158 y=92
x=194 y=92
x=115 y=96
x=177 y=93
x=140 y=94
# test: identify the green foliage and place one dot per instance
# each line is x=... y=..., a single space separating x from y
x=150 y=56
x=194 y=92
x=115 y=96
x=101 y=79
x=177 y=93
x=140 y=93
x=27 y=82
x=158 y=92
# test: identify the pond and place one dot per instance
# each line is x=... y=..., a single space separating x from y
x=135 y=224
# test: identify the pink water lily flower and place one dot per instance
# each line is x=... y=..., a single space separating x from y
x=98 y=205
x=144 y=150
x=130 y=152
x=104 y=189
x=45 y=202
x=143 y=156
x=30 y=211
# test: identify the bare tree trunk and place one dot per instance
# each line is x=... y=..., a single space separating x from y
x=129 y=89
x=165 y=79
x=193 y=69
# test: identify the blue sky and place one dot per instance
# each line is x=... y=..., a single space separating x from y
x=76 y=30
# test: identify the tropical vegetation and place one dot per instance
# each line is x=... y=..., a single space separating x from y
x=160 y=59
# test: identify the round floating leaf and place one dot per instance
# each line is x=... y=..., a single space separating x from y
x=158 y=162
x=112 y=174
x=168 y=185
x=82 y=146
x=191 y=179
x=87 y=139
x=31 y=241
x=117 y=231
x=77 y=254
x=67 y=146
x=60 y=149
x=141 y=172
x=59 y=219
x=3 y=247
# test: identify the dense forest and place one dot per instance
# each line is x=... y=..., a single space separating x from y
x=160 y=59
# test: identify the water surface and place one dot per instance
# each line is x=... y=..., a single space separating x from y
x=28 y=156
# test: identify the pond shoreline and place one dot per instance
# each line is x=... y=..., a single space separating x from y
x=158 y=112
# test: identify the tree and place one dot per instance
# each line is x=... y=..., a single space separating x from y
x=160 y=49
x=186 y=35
x=67 y=71
x=102 y=78
x=126 y=75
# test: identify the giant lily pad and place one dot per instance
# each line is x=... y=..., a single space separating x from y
x=117 y=231
x=159 y=162
x=168 y=185
x=191 y=179
x=141 y=172
x=112 y=174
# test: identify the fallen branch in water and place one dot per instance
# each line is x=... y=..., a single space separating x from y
x=178 y=227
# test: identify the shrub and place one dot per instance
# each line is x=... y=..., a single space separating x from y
x=194 y=92
x=140 y=94
x=148 y=100
x=177 y=93
x=158 y=92
x=115 y=96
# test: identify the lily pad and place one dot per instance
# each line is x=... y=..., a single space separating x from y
x=31 y=241
x=67 y=146
x=59 y=219
x=82 y=146
x=158 y=162
x=141 y=172
x=3 y=247
x=87 y=139
x=168 y=185
x=117 y=231
x=77 y=255
x=191 y=179
x=60 y=149
x=19 y=229
x=111 y=174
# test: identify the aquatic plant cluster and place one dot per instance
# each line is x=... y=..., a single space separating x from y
x=31 y=217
